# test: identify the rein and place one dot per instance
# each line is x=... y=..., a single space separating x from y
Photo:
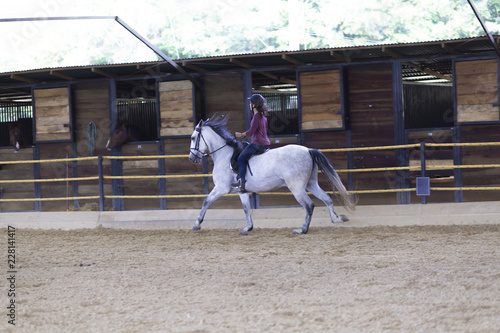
x=197 y=145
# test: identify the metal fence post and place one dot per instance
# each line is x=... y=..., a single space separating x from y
x=422 y=166
x=101 y=183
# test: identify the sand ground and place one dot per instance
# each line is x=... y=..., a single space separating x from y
x=377 y=279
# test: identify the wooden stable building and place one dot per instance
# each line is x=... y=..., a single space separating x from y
x=368 y=96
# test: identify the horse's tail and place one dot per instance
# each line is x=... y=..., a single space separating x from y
x=332 y=175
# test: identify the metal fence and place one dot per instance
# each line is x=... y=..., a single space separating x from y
x=101 y=177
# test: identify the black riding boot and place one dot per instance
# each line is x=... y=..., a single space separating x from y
x=240 y=183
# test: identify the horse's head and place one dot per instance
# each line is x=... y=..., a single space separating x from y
x=198 y=147
x=15 y=136
x=119 y=137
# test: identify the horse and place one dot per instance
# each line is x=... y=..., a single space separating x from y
x=15 y=136
x=125 y=133
x=292 y=166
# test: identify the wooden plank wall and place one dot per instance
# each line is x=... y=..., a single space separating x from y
x=18 y=172
x=176 y=108
x=477 y=90
x=224 y=95
x=481 y=155
x=372 y=124
x=52 y=114
x=147 y=167
x=91 y=104
x=182 y=166
x=320 y=99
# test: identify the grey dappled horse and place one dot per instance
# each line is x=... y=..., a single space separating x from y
x=293 y=166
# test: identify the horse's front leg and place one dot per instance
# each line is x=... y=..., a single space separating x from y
x=245 y=201
x=215 y=194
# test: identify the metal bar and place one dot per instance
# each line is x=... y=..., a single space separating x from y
x=101 y=184
x=161 y=172
x=399 y=129
x=57 y=18
x=485 y=28
x=457 y=160
x=422 y=167
x=76 y=203
x=37 y=175
x=158 y=51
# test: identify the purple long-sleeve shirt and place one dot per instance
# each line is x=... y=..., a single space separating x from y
x=258 y=130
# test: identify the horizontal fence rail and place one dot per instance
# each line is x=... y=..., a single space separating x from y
x=101 y=177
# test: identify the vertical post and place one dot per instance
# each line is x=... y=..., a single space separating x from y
x=101 y=183
x=205 y=171
x=399 y=130
x=422 y=166
x=161 y=171
x=457 y=160
x=37 y=175
x=75 y=175
x=350 y=164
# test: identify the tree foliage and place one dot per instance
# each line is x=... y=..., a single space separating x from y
x=198 y=28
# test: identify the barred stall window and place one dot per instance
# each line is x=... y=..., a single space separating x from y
x=139 y=112
x=283 y=119
x=16 y=114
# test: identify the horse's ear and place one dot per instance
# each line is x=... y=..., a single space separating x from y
x=200 y=123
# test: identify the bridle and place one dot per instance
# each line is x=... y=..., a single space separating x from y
x=196 y=150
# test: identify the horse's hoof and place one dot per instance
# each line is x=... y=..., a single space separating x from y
x=344 y=218
x=196 y=228
x=243 y=233
x=297 y=232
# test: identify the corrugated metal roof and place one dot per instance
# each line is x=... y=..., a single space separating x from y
x=266 y=60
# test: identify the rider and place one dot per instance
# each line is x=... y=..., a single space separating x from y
x=258 y=132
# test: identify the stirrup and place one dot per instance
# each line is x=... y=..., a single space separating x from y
x=240 y=184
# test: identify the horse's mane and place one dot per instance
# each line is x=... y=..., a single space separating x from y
x=218 y=124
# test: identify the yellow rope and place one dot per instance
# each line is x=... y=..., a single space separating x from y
x=90 y=197
x=52 y=161
x=47 y=180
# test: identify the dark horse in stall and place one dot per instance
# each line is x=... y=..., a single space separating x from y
x=15 y=136
x=125 y=133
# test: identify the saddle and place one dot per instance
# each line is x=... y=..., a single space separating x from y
x=234 y=159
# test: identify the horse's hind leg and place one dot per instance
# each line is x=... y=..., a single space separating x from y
x=245 y=201
x=308 y=205
x=318 y=192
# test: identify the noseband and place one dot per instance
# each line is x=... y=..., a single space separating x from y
x=196 y=150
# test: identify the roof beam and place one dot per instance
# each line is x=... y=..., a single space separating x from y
x=239 y=63
x=23 y=79
x=194 y=67
x=390 y=52
x=62 y=76
x=104 y=73
x=292 y=60
x=152 y=70
x=429 y=71
x=267 y=74
x=448 y=48
x=339 y=56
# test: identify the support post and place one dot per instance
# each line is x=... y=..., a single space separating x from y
x=101 y=183
x=422 y=167
x=161 y=171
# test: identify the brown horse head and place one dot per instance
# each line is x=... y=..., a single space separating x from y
x=15 y=135
x=123 y=134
